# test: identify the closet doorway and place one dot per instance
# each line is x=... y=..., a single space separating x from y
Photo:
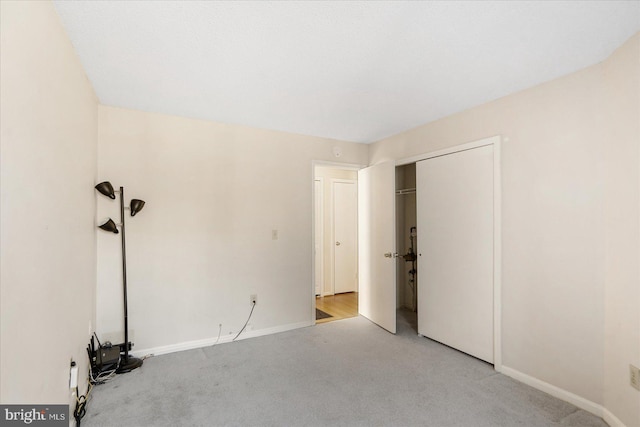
x=452 y=197
x=406 y=245
x=335 y=242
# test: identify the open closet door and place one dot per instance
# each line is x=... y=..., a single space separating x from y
x=376 y=245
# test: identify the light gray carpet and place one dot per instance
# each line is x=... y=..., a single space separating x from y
x=344 y=373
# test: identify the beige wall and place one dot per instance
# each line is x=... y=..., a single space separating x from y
x=202 y=245
x=621 y=123
x=48 y=113
x=570 y=148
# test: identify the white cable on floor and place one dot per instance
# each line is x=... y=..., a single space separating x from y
x=219 y=332
x=247 y=322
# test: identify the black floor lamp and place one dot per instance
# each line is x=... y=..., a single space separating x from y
x=129 y=363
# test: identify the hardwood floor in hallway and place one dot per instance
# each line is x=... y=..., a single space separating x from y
x=340 y=306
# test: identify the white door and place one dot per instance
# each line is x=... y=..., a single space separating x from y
x=455 y=240
x=345 y=236
x=377 y=244
x=318 y=248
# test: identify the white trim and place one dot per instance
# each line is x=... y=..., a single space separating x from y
x=190 y=345
x=449 y=150
x=332 y=255
x=335 y=165
x=497 y=254
x=611 y=419
x=562 y=394
x=321 y=219
x=313 y=243
x=558 y=392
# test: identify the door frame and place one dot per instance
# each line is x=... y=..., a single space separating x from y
x=497 y=229
x=332 y=219
x=335 y=165
x=320 y=218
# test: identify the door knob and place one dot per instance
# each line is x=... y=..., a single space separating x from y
x=337 y=243
x=390 y=255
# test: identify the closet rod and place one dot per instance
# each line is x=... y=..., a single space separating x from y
x=405 y=191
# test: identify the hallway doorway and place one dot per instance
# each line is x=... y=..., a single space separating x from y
x=335 y=242
x=337 y=307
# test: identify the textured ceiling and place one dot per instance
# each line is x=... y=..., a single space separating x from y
x=355 y=71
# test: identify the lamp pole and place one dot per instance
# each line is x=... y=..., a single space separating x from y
x=106 y=189
x=129 y=363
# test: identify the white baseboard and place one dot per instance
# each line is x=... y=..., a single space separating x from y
x=611 y=419
x=190 y=345
x=580 y=402
x=554 y=391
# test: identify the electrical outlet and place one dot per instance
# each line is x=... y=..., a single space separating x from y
x=254 y=299
x=634 y=377
x=73 y=375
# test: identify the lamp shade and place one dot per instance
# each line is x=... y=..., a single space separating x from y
x=109 y=226
x=106 y=189
x=136 y=206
